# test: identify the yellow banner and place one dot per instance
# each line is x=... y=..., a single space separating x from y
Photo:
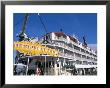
x=32 y=48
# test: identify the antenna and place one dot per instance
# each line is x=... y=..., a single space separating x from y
x=61 y=30
x=84 y=40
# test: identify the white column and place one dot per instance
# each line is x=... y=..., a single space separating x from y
x=27 y=66
x=55 y=66
x=59 y=66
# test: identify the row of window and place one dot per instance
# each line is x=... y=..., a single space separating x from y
x=75 y=47
x=84 y=51
x=83 y=56
x=78 y=55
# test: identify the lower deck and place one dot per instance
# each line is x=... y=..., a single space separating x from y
x=47 y=65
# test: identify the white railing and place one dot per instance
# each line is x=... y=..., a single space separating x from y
x=69 y=49
x=66 y=56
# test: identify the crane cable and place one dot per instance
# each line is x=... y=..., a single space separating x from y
x=42 y=23
x=45 y=29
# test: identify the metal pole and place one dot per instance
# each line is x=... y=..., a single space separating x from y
x=27 y=66
x=45 y=65
x=48 y=67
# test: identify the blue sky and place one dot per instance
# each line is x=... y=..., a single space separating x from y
x=79 y=24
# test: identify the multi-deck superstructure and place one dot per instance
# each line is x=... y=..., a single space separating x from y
x=72 y=55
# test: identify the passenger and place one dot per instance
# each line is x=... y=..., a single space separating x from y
x=39 y=70
x=74 y=71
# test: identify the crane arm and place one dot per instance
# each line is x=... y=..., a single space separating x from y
x=25 y=22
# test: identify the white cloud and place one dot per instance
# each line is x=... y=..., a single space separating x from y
x=93 y=46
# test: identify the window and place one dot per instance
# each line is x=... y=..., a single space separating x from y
x=83 y=56
x=87 y=52
x=88 y=57
x=78 y=62
x=77 y=48
x=90 y=53
x=77 y=54
x=89 y=63
x=70 y=45
x=85 y=62
x=82 y=50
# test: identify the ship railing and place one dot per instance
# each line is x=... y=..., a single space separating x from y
x=70 y=49
x=79 y=52
x=58 y=45
x=63 y=46
x=66 y=56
